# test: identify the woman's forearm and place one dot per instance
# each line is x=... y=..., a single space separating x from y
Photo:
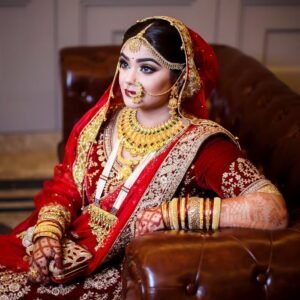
x=260 y=210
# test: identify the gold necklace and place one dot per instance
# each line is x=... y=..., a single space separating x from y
x=139 y=140
x=127 y=165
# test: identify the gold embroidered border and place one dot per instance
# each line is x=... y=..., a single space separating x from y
x=86 y=137
x=269 y=188
x=169 y=175
x=261 y=186
x=176 y=164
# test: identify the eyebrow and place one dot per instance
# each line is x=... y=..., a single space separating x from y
x=139 y=60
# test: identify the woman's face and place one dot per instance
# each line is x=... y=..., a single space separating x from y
x=142 y=67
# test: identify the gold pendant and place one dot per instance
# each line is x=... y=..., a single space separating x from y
x=124 y=173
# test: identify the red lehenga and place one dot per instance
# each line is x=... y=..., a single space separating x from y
x=203 y=158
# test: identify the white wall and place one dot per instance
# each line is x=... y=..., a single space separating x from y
x=32 y=32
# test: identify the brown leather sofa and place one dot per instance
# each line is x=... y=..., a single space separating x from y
x=230 y=263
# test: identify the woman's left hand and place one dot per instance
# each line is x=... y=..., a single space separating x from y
x=149 y=220
x=45 y=249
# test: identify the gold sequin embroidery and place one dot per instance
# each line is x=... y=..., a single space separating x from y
x=86 y=137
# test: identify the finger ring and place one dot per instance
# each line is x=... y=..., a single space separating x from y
x=33 y=273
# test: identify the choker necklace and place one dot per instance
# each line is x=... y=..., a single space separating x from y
x=139 y=140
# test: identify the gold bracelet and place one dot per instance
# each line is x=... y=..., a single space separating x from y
x=45 y=234
x=182 y=213
x=207 y=213
x=171 y=213
x=50 y=223
x=51 y=229
x=52 y=215
x=58 y=210
x=193 y=213
x=50 y=226
x=174 y=214
x=56 y=213
x=165 y=214
x=216 y=213
x=201 y=200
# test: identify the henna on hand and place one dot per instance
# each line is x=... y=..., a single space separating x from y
x=254 y=210
x=149 y=220
x=45 y=250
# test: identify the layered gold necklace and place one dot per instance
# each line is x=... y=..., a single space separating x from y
x=139 y=140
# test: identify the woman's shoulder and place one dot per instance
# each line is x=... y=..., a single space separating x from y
x=206 y=129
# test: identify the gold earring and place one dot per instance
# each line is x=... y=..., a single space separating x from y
x=137 y=99
x=173 y=101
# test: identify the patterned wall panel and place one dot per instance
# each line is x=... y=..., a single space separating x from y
x=271 y=34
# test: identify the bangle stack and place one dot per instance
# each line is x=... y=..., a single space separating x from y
x=52 y=221
x=191 y=213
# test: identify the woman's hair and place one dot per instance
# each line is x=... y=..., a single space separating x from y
x=163 y=37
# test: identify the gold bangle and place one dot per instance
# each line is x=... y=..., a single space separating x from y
x=48 y=228
x=174 y=214
x=201 y=200
x=51 y=217
x=207 y=213
x=56 y=213
x=49 y=223
x=193 y=213
x=171 y=213
x=45 y=234
x=58 y=210
x=216 y=213
x=165 y=214
x=182 y=213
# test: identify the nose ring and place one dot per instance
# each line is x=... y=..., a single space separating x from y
x=137 y=99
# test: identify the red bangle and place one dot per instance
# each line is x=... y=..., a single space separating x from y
x=211 y=213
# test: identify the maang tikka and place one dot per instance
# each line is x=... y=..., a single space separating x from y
x=136 y=42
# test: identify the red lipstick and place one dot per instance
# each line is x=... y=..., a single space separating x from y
x=129 y=93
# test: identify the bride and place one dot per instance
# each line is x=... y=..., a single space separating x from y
x=144 y=158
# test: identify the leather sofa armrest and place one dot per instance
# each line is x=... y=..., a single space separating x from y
x=228 y=264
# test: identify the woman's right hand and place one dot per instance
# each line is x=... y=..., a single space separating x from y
x=45 y=249
x=149 y=220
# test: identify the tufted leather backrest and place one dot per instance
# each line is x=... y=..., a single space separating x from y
x=264 y=113
x=229 y=264
x=86 y=72
x=248 y=100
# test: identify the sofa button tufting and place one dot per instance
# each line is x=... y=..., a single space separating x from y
x=262 y=278
x=191 y=289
